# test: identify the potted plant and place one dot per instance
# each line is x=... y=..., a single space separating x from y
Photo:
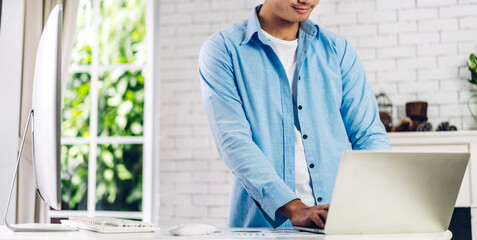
x=473 y=79
x=473 y=68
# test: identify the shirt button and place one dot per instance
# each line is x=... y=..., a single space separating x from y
x=320 y=199
x=300 y=107
x=312 y=165
x=305 y=136
x=299 y=77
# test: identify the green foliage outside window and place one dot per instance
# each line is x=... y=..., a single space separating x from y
x=119 y=167
x=121 y=103
x=82 y=48
x=122 y=31
x=120 y=108
x=74 y=176
x=77 y=105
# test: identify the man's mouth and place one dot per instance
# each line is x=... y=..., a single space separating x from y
x=301 y=10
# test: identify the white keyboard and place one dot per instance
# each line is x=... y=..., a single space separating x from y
x=109 y=225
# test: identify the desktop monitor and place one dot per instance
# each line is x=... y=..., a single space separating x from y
x=46 y=107
x=46 y=116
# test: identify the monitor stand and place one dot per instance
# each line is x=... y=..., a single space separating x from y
x=40 y=227
x=30 y=227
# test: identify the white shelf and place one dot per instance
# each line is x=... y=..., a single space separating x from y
x=426 y=138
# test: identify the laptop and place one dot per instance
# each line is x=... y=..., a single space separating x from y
x=384 y=192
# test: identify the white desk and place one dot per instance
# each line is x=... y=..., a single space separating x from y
x=5 y=233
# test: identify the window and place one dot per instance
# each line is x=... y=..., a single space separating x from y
x=104 y=106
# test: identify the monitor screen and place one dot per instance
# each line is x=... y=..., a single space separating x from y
x=46 y=111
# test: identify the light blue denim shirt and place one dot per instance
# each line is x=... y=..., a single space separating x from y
x=252 y=111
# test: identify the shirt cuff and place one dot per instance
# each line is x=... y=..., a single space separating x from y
x=275 y=196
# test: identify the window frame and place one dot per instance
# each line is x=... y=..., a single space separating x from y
x=149 y=139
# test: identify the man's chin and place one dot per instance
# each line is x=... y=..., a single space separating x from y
x=300 y=19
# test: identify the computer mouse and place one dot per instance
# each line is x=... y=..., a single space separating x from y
x=191 y=229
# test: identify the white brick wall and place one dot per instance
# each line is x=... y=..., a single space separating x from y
x=428 y=41
x=411 y=49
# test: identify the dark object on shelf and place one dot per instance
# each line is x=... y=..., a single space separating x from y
x=417 y=112
x=385 y=110
x=424 y=127
x=386 y=120
x=445 y=126
x=405 y=125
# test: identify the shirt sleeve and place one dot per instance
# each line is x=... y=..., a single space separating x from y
x=359 y=109
x=232 y=132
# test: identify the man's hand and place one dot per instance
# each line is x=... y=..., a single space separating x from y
x=302 y=215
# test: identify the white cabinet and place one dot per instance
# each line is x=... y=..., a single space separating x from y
x=460 y=141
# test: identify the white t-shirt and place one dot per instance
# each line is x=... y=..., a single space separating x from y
x=286 y=52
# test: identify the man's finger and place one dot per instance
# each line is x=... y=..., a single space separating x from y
x=323 y=215
x=317 y=220
x=322 y=207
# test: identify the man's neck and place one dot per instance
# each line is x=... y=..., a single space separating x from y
x=276 y=26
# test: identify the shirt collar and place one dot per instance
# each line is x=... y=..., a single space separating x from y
x=253 y=26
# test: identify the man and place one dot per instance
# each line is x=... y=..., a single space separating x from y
x=285 y=98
